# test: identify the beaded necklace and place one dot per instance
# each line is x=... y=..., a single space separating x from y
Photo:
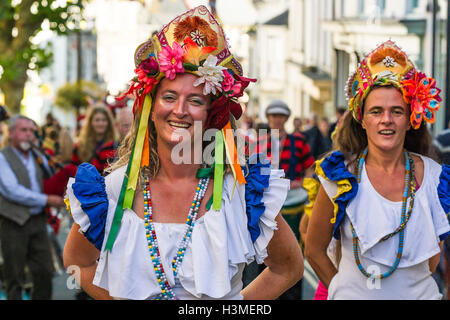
x=409 y=185
x=166 y=290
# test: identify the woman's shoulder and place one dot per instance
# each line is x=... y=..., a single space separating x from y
x=114 y=180
x=431 y=169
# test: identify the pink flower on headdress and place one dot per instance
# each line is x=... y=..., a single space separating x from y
x=240 y=85
x=228 y=81
x=171 y=60
x=421 y=93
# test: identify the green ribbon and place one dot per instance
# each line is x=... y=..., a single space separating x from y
x=127 y=195
x=119 y=209
x=218 y=171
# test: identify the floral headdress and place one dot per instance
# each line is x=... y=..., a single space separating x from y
x=193 y=42
x=389 y=65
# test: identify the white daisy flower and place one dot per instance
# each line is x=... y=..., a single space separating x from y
x=211 y=75
x=389 y=61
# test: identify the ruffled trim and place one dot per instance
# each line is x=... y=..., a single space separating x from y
x=444 y=188
x=257 y=182
x=332 y=168
x=220 y=242
x=89 y=190
x=311 y=185
x=273 y=199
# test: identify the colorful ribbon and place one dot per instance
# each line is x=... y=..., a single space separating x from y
x=139 y=156
x=218 y=171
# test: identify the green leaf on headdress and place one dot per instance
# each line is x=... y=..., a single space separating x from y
x=189 y=66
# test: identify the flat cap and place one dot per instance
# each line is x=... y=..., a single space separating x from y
x=278 y=107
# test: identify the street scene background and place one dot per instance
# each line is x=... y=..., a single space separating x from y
x=301 y=51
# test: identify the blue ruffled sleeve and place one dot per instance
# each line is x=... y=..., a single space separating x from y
x=257 y=175
x=89 y=190
x=443 y=190
x=332 y=168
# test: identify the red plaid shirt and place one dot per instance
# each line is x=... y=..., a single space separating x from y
x=302 y=153
x=101 y=155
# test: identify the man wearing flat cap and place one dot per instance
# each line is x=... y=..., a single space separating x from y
x=295 y=158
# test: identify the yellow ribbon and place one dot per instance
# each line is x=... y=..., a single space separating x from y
x=137 y=155
x=343 y=186
x=311 y=186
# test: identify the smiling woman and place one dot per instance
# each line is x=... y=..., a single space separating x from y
x=97 y=141
x=178 y=105
x=380 y=194
x=162 y=230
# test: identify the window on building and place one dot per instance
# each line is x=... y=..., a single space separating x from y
x=360 y=7
x=411 y=5
x=381 y=5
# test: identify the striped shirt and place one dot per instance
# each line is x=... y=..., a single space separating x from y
x=104 y=152
x=302 y=160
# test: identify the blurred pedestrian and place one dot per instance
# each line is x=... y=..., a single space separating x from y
x=124 y=121
x=295 y=159
x=297 y=125
x=441 y=144
x=66 y=145
x=97 y=141
x=338 y=114
x=23 y=224
x=324 y=128
x=145 y=254
x=315 y=139
x=3 y=128
x=380 y=194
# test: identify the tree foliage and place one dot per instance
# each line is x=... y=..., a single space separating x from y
x=69 y=95
x=20 y=21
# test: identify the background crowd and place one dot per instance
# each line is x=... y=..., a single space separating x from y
x=102 y=129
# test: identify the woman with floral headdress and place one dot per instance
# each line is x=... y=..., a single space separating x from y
x=162 y=225
x=380 y=194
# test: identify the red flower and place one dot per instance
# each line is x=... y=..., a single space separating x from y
x=241 y=84
x=422 y=94
x=149 y=66
x=220 y=112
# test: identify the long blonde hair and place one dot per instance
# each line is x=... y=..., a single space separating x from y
x=86 y=141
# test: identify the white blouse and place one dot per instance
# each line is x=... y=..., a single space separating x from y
x=219 y=248
x=373 y=217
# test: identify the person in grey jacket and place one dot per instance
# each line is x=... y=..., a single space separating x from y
x=23 y=231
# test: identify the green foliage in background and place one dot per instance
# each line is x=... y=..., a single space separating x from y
x=71 y=95
x=20 y=21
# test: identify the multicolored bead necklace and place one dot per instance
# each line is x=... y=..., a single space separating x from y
x=166 y=290
x=410 y=184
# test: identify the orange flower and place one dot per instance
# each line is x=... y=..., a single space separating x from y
x=192 y=52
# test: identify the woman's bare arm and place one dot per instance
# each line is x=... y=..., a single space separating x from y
x=80 y=257
x=284 y=265
x=303 y=227
x=318 y=238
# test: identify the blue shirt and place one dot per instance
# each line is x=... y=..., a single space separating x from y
x=15 y=192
